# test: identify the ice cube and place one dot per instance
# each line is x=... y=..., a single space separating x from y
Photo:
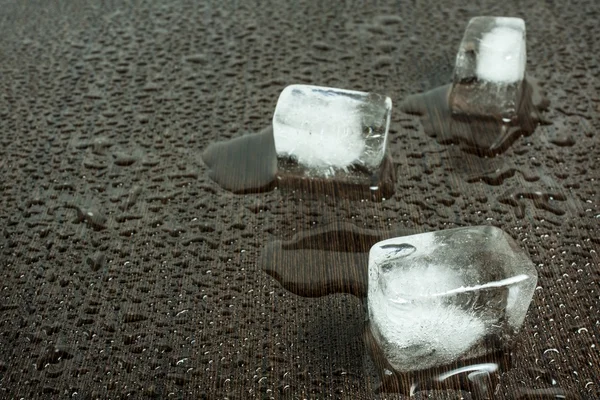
x=437 y=297
x=324 y=132
x=490 y=69
x=333 y=140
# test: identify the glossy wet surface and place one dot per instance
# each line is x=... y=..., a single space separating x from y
x=477 y=135
x=127 y=271
x=249 y=164
x=323 y=261
x=245 y=164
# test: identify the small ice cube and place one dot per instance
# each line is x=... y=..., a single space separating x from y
x=326 y=130
x=434 y=297
x=490 y=68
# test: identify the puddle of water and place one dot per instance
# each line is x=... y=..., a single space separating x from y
x=327 y=260
x=249 y=164
x=481 y=136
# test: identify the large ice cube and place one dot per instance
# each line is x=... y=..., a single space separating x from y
x=437 y=297
x=326 y=130
x=490 y=68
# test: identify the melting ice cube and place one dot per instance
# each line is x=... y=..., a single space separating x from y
x=325 y=130
x=333 y=141
x=438 y=297
x=490 y=68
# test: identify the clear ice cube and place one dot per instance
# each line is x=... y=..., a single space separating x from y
x=324 y=131
x=490 y=69
x=437 y=297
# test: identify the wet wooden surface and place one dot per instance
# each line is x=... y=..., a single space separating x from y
x=127 y=271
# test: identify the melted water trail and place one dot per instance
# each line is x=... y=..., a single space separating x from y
x=332 y=259
x=481 y=136
x=247 y=164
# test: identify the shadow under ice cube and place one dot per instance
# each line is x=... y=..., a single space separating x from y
x=333 y=137
x=490 y=69
x=438 y=297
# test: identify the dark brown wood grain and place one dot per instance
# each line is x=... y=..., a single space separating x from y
x=126 y=270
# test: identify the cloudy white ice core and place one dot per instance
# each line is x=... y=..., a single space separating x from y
x=420 y=321
x=502 y=55
x=320 y=134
